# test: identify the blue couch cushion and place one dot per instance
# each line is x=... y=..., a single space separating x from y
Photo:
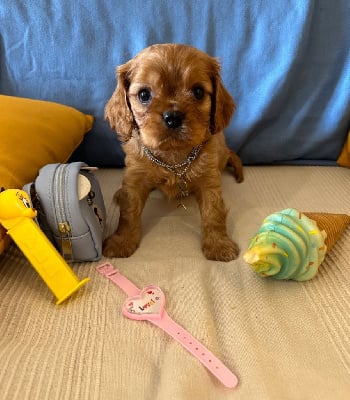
x=286 y=63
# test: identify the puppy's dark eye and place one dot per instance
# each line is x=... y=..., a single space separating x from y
x=144 y=95
x=198 y=92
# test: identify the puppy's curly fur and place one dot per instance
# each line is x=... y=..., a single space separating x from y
x=169 y=99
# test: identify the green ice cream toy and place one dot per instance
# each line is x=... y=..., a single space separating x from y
x=292 y=245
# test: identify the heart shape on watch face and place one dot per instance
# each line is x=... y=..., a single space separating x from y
x=149 y=304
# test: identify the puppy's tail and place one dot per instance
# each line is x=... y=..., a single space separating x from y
x=235 y=162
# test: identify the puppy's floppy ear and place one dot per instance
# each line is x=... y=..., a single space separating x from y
x=118 y=111
x=222 y=106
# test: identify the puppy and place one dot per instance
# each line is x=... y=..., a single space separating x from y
x=169 y=109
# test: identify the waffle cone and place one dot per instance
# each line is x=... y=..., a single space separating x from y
x=333 y=224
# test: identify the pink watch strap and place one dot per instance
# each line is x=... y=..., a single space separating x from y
x=149 y=304
x=208 y=359
x=116 y=277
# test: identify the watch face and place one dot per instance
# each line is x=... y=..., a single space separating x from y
x=149 y=304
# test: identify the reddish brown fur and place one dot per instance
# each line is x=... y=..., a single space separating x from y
x=171 y=71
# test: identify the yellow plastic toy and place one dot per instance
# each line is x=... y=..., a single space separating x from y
x=16 y=216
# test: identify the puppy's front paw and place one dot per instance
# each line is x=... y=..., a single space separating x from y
x=220 y=249
x=119 y=246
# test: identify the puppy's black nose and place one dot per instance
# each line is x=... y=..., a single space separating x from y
x=173 y=119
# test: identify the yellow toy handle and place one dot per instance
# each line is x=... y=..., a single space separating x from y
x=16 y=215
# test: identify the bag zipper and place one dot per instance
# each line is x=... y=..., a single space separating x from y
x=63 y=225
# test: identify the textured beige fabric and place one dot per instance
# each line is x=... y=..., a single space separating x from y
x=284 y=340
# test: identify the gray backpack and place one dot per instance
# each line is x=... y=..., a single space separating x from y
x=71 y=210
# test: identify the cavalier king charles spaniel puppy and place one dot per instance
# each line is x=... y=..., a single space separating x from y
x=169 y=110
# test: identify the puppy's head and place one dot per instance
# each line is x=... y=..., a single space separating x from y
x=172 y=95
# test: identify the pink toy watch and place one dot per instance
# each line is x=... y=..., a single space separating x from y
x=149 y=304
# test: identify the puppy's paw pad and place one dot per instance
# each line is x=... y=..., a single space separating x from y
x=221 y=250
x=117 y=246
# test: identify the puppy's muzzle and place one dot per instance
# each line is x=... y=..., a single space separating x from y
x=173 y=119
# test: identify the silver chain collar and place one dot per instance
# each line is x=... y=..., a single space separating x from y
x=174 y=168
x=179 y=169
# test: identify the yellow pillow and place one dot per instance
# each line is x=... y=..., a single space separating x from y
x=344 y=157
x=34 y=133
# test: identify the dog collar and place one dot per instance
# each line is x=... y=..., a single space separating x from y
x=179 y=169
x=149 y=304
